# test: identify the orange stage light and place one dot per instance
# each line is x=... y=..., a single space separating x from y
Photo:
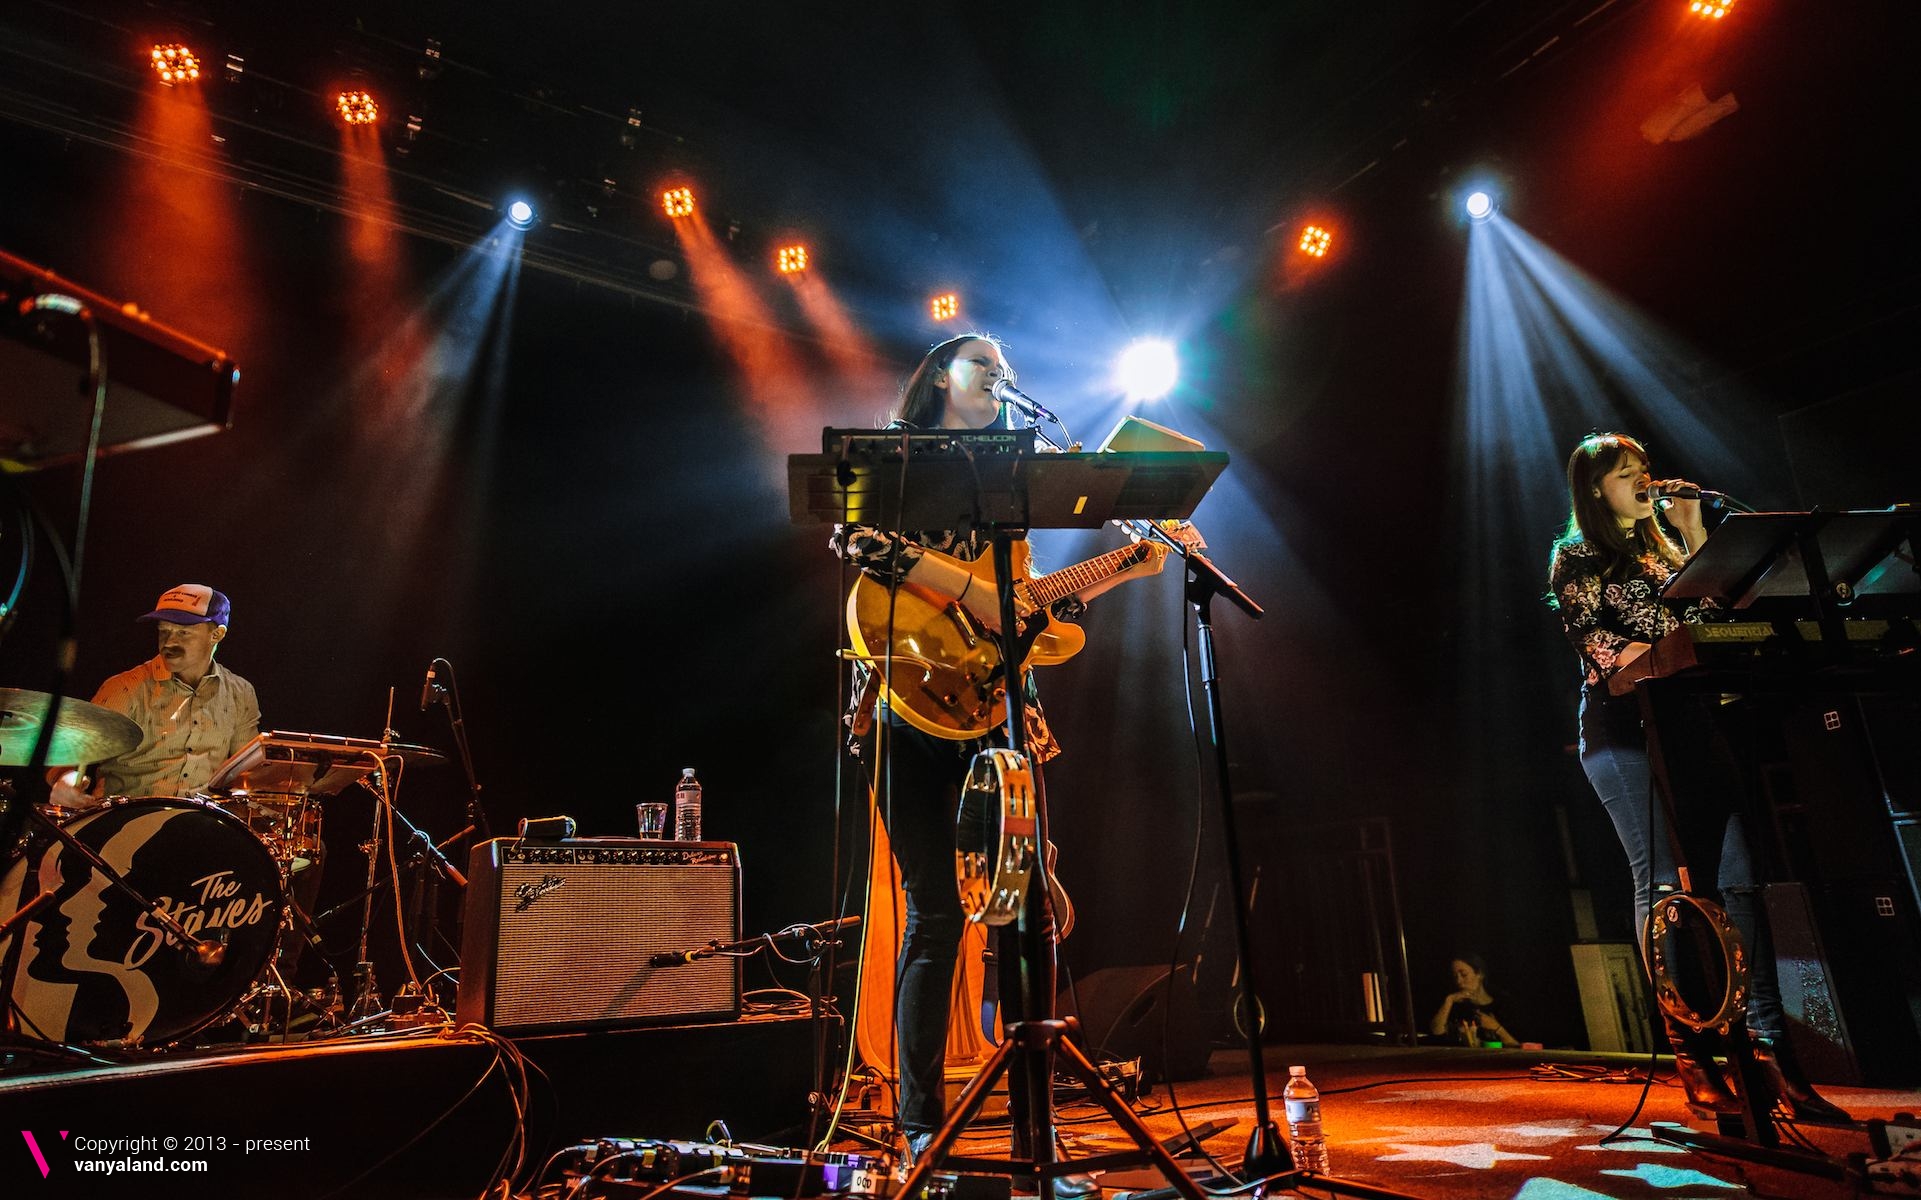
x=175 y=64
x=792 y=260
x=357 y=108
x=1710 y=10
x=677 y=202
x=1315 y=241
x=945 y=307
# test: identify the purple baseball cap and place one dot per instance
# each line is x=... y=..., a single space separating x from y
x=191 y=604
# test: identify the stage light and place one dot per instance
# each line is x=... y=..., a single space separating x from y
x=1147 y=369
x=1480 y=206
x=677 y=202
x=1315 y=241
x=1710 y=10
x=945 y=307
x=791 y=260
x=520 y=215
x=175 y=63
x=357 y=108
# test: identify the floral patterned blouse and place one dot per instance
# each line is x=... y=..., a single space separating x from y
x=1601 y=617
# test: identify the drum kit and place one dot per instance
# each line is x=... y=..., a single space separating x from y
x=145 y=920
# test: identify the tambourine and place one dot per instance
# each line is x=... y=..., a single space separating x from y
x=1699 y=966
x=993 y=887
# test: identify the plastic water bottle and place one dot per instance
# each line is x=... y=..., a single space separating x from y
x=687 y=807
x=1304 y=1121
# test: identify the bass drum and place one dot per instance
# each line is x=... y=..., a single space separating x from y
x=96 y=969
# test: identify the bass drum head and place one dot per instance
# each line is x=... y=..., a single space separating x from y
x=96 y=969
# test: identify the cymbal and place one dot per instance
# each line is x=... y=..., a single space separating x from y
x=415 y=755
x=85 y=733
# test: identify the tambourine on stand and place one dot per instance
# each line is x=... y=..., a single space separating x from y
x=1697 y=962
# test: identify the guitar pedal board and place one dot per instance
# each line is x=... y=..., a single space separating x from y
x=630 y=1167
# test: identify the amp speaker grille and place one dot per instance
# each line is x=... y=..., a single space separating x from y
x=560 y=934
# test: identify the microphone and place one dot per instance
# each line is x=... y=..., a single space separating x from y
x=1005 y=392
x=674 y=958
x=430 y=691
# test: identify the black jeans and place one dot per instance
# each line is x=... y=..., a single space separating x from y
x=920 y=801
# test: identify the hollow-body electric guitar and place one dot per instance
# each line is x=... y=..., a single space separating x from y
x=947 y=673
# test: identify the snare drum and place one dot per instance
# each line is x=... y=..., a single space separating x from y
x=288 y=822
x=96 y=969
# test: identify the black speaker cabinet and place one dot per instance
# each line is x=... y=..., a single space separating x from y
x=1850 y=974
x=1132 y=1012
x=575 y=934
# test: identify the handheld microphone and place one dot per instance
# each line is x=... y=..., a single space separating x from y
x=1007 y=393
x=430 y=691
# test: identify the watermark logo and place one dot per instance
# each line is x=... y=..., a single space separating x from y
x=40 y=1159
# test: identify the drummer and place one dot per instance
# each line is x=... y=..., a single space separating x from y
x=193 y=713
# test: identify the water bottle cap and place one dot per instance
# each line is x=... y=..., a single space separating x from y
x=686 y=772
x=1297 y=1070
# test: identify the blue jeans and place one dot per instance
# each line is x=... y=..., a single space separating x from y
x=1614 y=755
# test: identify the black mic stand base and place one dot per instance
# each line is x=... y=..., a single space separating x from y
x=1022 y=1041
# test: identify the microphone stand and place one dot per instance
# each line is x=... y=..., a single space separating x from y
x=1267 y=1157
x=450 y=697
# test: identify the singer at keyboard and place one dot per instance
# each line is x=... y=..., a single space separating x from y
x=1605 y=579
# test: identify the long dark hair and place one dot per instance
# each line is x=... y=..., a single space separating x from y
x=1590 y=519
x=921 y=403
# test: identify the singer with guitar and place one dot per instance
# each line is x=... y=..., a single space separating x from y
x=939 y=583
x=1605 y=579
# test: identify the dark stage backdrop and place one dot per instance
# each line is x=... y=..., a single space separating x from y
x=570 y=496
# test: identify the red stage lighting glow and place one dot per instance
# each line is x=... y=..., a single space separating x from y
x=677 y=202
x=791 y=260
x=357 y=108
x=175 y=64
x=945 y=307
x=1315 y=241
x=1710 y=10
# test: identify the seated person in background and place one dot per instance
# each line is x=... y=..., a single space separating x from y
x=1466 y=1015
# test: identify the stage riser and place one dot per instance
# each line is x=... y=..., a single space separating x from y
x=360 y=1102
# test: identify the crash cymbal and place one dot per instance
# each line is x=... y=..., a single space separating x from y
x=85 y=733
x=415 y=755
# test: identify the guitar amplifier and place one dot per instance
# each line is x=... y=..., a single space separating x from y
x=573 y=934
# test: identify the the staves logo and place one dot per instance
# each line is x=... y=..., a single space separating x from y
x=40 y=1159
x=530 y=892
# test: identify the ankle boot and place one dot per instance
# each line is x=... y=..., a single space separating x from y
x=1694 y=1065
x=1782 y=1070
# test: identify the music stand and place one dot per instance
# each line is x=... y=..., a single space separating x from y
x=1808 y=560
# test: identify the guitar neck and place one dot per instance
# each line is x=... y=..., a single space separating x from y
x=1046 y=589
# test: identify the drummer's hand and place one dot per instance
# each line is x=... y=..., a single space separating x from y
x=70 y=791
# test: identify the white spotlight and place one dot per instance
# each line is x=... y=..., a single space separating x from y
x=1480 y=206
x=1147 y=369
x=520 y=215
